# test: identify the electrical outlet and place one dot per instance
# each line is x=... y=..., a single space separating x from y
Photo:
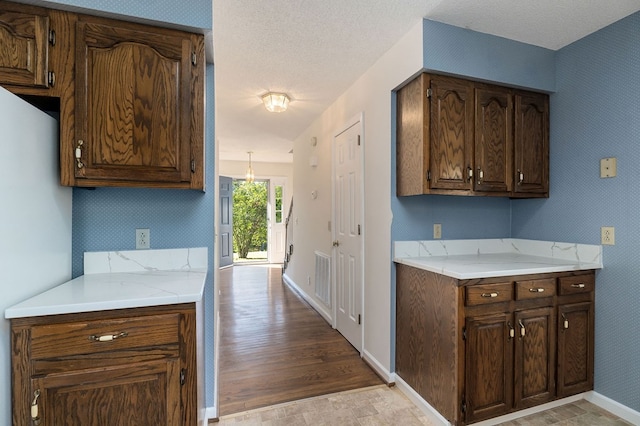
x=607 y=235
x=143 y=239
x=437 y=231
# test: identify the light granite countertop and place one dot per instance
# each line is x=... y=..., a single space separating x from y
x=469 y=259
x=124 y=279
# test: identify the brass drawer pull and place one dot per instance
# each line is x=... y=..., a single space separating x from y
x=581 y=285
x=522 y=329
x=536 y=290
x=108 y=337
x=491 y=295
x=35 y=415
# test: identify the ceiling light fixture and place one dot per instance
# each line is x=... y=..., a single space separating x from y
x=275 y=102
x=250 y=176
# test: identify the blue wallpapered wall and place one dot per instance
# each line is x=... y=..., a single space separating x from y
x=595 y=113
x=106 y=218
x=191 y=13
x=453 y=50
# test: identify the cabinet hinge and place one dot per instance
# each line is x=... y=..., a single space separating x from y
x=51 y=78
x=193 y=166
x=194 y=59
x=429 y=92
x=182 y=376
x=359 y=319
x=463 y=406
x=464 y=333
x=359 y=230
x=52 y=37
x=358 y=140
x=428 y=175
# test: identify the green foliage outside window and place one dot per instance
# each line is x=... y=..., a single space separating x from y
x=249 y=217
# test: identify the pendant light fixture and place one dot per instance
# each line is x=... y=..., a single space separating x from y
x=275 y=102
x=250 y=176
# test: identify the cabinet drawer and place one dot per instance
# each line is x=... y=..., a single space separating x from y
x=489 y=293
x=577 y=284
x=88 y=337
x=535 y=289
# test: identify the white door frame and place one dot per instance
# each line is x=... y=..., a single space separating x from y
x=359 y=118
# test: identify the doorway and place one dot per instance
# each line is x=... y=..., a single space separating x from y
x=250 y=221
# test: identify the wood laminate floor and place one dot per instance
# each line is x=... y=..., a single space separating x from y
x=275 y=348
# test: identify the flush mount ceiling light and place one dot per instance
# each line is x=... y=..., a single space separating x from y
x=250 y=176
x=275 y=102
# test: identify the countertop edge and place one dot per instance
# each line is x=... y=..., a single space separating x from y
x=163 y=298
x=416 y=263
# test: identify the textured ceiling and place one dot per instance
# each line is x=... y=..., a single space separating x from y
x=315 y=49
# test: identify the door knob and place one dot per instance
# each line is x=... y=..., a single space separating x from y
x=336 y=243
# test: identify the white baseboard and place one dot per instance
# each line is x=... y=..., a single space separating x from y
x=212 y=413
x=378 y=367
x=614 y=407
x=595 y=398
x=315 y=305
x=433 y=415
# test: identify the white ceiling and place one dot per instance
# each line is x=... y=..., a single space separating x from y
x=315 y=49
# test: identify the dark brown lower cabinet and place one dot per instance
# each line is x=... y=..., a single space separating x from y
x=477 y=349
x=121 y=367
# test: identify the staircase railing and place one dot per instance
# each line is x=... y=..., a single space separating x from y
x=288 y=236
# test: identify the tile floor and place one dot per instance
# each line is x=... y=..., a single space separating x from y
x=381 y=405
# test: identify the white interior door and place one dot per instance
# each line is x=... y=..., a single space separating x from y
x=347 y=233
x=276 y=220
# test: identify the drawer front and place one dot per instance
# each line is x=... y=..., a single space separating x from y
x=88 y=337
x=577 y=284
x=535 y=289
x=488 y=293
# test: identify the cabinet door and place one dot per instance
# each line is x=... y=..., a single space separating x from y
x=451 y=134
x=133 y=99
x=24 y=48
x=493 y=139
x=488 y=369
x=534 y=357
x=139 y=394
x=531 y=147
x=575 y=348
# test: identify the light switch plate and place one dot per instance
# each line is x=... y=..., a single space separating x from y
x=608 y=167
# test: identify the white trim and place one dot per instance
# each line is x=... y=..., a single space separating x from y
x=378 y=367
x=433 y=415
x=528 y=411
x=211 y=413
x=595 y=398
x=315 y=305
x=614 y=407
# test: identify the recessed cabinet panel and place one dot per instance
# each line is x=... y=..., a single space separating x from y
x=534 y=357
x=132 y=104
x=531 y=164
x=489 y=363
x=451 y=134
x=575 y=348
x=493 y=140
x=24 y=48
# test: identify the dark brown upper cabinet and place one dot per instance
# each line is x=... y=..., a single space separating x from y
x=460 y=137
x=138 y=106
